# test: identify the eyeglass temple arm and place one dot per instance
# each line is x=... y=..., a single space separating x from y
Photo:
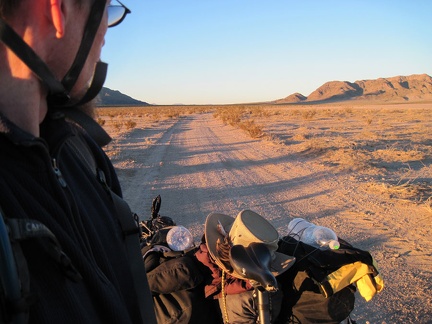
x=127 y=9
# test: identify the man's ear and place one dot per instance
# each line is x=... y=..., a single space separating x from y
x=57 y=16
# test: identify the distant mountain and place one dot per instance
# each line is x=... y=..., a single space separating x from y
x=295 y=97
x=108 y=97
x=415 y=87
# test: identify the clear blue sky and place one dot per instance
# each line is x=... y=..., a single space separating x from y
x=235 y=51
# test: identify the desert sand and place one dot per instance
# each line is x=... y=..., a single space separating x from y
x=363 y=170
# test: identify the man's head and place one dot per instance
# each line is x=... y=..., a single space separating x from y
x=66 y=35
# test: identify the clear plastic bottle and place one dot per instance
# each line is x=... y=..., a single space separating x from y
x=314 y=235
x=179 y=238
x=296 y=227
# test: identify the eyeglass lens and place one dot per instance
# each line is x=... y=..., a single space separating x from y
x=116 y=15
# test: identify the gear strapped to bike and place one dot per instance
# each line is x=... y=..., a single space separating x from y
x=174 y=277
x=317 y=285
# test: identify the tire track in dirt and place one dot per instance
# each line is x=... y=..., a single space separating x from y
x=209 y=167
x=143 y=169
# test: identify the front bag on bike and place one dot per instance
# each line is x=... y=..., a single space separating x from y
x=321 y=286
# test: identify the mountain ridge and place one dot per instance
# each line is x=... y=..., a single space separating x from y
x=415 y=87
x=108 y=97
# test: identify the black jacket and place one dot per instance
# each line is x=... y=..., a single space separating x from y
x=47 y=180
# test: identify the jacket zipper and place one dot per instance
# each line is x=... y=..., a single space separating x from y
x=72 y=204
x=58 y=173
x=75 y=217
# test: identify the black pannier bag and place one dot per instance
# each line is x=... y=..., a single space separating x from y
x=176 y=282
x=313 y=294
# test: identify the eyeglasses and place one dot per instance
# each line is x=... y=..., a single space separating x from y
x=116 y=14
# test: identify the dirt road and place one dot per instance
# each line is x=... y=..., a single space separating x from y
x=199 y=166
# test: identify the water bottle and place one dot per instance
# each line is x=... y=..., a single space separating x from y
x=314 y=235
x=179 y=238
x=296 y=227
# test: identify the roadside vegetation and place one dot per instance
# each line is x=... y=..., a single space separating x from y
x=123 y=119
x=241 y=117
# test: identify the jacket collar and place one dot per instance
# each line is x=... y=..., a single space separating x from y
x=15 y=134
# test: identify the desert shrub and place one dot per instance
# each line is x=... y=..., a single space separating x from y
x=348 y=110
x=101 y=121
x=117 y=125
x=172 y=113
x=315 y=145
x=309 y=114
x=250 y=127
x=394 y=154
x=229 y=115
x=155 y=117
x=350 y=159
x=240 y=117
x=258 y=111
x=130 y=124
x=295 y=112
x=299 y=137
x=406 y=190
x=428 y=204
x=301 y=134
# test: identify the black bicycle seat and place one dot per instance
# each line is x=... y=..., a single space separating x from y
x=253 y=263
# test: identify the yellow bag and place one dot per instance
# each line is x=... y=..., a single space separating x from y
x=366 y=277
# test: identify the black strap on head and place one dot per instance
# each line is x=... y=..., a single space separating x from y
x=90 y=30
x=58 y=92
x=96 y=85
x=26 y=54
